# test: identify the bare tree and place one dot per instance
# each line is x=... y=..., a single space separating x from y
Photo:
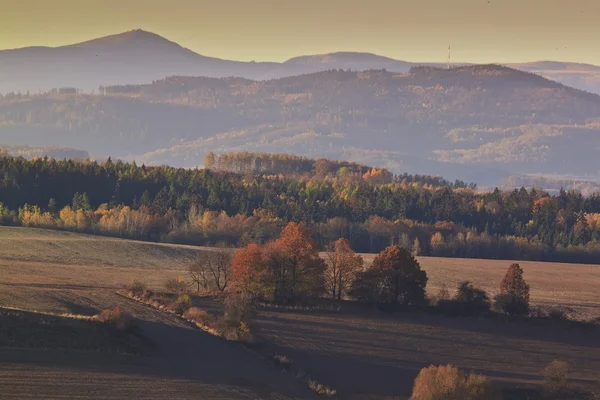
x=212 y=269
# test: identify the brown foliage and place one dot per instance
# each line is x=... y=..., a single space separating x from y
x=446 y=382
x=298 y=272
x=514 y=292
x=288 y=269
x=181 y=304
x=121 y=320
x=514 y=284
x=343 y=265
x=395 y=278
x=248 y=270
x=556 y=379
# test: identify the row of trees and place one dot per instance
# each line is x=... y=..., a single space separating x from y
x=204 y=206
x=211 y=227
x=293 y=165
x=289 y=270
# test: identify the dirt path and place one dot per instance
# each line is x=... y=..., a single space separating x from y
x=190 y=364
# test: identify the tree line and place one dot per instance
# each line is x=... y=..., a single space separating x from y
x=206 y=207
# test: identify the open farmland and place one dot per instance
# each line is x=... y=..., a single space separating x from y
x=573 y=287
x=190 y=364
x=362 y=354
x=376 y=356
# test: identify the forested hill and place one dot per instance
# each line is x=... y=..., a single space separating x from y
x=297 y=167
x=206 y=207
x=139 y=56
x=432 y=121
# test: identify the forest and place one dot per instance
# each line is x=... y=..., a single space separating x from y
x=440 y=122
x=204 y=206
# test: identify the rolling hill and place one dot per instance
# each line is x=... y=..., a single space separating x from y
x=428 y=120
x=139 y=56
x=131 y=57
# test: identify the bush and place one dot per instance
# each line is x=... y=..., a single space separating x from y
x=198 y=315
x=443 y=293
x=511 y=304
x=549 y=313
x=175 y=285
x=181 y=304
x=121 y=320
x=138 y=289
x=474 y=300
x=235 y=324
x=448 y=383
x=556 y=380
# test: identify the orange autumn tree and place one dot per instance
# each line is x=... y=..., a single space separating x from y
x=286 y=270
x=248 y=270
x=299 y=272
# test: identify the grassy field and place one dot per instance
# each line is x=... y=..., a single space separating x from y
x=363 y=355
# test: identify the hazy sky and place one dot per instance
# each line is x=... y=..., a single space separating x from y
x=415 y=30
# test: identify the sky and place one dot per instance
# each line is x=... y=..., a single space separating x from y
x=478 y=31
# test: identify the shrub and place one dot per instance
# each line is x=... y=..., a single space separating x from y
x=282 y=361
x=181 y=304
x=448 y=383
x=138 y=288
x=121 y=320
x=175 y=285
x=510 y=304
x=198 y=315
x=474 y=300
x=238 y=307
x=443 y=293
x=556 y=379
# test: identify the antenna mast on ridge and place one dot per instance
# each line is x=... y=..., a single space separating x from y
x=448 y=66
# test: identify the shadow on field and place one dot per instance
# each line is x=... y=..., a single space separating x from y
x=514 y=329
x=183 y=354
x=76 y=307
x=381 y=355
x=57 y=286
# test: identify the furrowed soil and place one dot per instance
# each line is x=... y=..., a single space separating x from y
x=363 y=354
x=68 y=273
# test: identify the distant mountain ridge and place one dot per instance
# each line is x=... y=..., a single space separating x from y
x=138 y=57
x=478 y=123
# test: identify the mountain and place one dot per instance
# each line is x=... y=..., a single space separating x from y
x=131 y=57
x=137 y=57
x=581 y=76
x=345 y=60
x=477 y=123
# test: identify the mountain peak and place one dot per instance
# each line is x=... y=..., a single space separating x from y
x=135 y=37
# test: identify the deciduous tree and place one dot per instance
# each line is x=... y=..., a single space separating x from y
x=342 y=267
x=395 y=278
x=212 y=268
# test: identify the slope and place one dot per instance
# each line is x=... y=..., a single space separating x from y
x=138 y=56
x=428 y=120
x=131 y=57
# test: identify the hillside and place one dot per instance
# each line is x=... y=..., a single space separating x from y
x=581 y=76
x=429 y=120
x=131 y=57
x=138 y=56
